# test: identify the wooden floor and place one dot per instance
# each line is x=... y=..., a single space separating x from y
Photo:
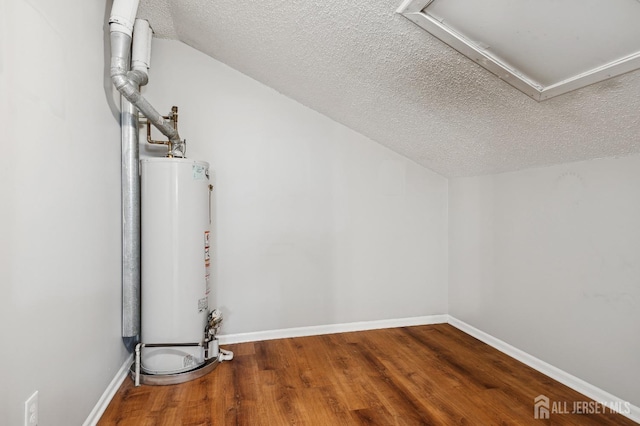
x=435 y=375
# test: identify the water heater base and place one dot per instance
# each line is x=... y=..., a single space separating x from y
x=173 y=379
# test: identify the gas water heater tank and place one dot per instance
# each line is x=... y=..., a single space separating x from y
x=176 y=219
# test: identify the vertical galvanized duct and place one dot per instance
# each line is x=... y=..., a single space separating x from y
x=130 y=178
x=130 y=190
x=127 y=81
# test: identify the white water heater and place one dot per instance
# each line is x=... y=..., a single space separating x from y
x=176 y=219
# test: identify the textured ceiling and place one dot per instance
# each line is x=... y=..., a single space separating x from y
x=367 y=67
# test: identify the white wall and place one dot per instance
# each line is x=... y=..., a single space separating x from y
x=548 y=260
x=315 y=224
x=60 y=219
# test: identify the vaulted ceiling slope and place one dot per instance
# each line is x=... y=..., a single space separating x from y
x=367 y=67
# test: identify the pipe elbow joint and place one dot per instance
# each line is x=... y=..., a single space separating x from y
x=139 y=77
x=125 y=86
x=118 y=79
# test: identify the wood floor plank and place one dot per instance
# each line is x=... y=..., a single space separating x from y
x=432 y=375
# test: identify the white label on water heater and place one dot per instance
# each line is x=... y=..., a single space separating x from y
x=199 y=172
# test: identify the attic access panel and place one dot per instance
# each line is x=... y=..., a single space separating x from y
x=542 y=47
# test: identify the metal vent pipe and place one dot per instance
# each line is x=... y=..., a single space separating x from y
x=130 y=180
x=127 y=81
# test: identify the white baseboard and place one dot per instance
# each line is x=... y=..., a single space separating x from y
x=108 y=394
x=316 y=330
x=561 y=376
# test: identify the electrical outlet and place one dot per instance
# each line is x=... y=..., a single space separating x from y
x=31 y=410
